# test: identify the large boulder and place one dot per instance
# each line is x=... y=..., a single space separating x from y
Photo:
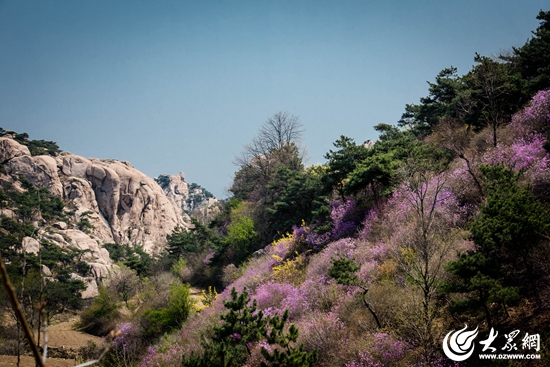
x=40 y=170
x=102 y=271
x=93 y=252
x=60 y=225
x=10 y=149
x=91 y=290
x=177 y=191
x=135 y=206
x=31 y=245
x=207 y=211
x=97 y=257
x=73 y=165
x=105 y=183
x=82 y=241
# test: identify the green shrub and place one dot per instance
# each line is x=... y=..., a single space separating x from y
x=38 y=147
x=159 y=321
x=163 y=181
x=102 y=315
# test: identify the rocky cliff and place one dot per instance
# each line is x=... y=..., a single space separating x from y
x=106 y=201
x=188 y=199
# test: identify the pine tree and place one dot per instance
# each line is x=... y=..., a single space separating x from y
x=533 y=58
x=510 y=225
x=343 y=270
x=289 y=356
x=243 y=326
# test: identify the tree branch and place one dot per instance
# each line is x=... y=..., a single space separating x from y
x=10 y=290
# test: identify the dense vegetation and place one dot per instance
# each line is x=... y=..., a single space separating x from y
x=42 y=279
x=443 y=221
x=372 y=257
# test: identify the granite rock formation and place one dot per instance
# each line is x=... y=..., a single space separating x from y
x=189 y=199
x=106 y=201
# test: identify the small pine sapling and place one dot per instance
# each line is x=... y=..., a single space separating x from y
x=343 y=270
x=289 y=356
x=242 y=327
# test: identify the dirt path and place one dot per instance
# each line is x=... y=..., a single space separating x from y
x=64 y=335
x=61 y=337
x=6 y=361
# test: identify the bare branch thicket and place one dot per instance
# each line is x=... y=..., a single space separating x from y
x=453 y=135
x=426 y=247
x=277 y=132
x=125 y=284
x=277 y=144
x=429 y=240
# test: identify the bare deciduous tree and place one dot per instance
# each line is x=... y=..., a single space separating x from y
x=455 y=136
x=125 y=284
x=278 y=131
x=278 y=143
x=425 y=244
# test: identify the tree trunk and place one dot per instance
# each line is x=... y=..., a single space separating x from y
x=370 y=308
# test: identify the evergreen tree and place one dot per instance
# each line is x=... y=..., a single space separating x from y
x=229 y=346
x=289 y=356
x=195 y=239
x=533 y=58
x=243 y=325
x=37 y=147
x=493 y=94
x=423 y=117
x=510 y=225
x=379 y=169
x=301 y=198
x=341 y=163
x=343 y=270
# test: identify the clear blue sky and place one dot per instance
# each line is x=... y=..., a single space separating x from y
x=181 y=85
